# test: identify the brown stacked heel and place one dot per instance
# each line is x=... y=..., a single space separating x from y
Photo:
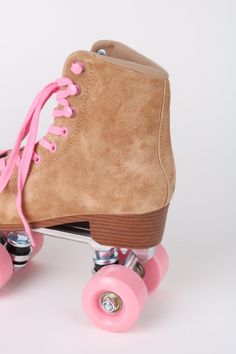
x=129 y=231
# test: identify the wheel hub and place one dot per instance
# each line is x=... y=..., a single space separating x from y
x=111 y=302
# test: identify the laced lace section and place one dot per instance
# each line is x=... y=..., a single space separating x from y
x=21 y=158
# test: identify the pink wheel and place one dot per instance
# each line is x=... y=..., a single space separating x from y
x=114 y=298
x=156 y=268
x=6 y=266
x=39 y=240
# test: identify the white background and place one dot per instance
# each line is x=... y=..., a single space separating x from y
x=194 y=310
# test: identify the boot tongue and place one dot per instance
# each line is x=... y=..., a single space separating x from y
x=111 y=49
x=121 y=51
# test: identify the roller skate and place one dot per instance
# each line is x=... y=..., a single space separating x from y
x=103 y=175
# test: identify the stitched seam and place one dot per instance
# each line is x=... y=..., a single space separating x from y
x=80 y=120
x=160 y=141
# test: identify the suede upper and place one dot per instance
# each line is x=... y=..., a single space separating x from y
x=117 y=156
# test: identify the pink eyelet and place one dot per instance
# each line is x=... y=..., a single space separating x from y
x=64 y=131
x=68 y=112
x=77 y=67
x=73 y=90
x=53 y=147
x=37 y=159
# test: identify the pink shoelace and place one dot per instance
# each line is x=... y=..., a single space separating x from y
x=64 y=88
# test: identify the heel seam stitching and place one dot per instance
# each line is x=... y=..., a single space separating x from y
x=160 y=141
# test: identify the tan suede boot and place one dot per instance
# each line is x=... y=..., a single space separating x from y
x=103 y=175
x=112 y=164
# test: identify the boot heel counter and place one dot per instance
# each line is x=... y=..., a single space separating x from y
x=165 y=146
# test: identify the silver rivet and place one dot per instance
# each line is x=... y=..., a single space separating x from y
x=102 y=52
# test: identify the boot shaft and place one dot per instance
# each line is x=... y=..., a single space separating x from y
x=123 y=119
